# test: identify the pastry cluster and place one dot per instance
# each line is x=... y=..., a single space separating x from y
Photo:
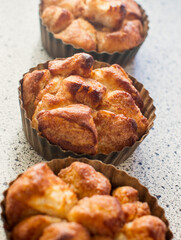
x=78 y=204
x=95 y=25
x=82 y=108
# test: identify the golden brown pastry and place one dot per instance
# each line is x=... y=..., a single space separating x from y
x=84 y=180
x=65 y=231
x=126 y=194
x=33 y=83
x=114 y=131
x=55 y=125
x=121 y=102
x=115 y=78
x=86 y=91
x=132 y=9
x=79 y=64
x=135 y=210
x=128 y=37
x=107 y=13
x=38 y=190
x=99 y=25
x=74 y=6
x=101 y=215
x=56 y=18
x=143 y=228
x=82 y=109
x=80 y=33
x=32 y=228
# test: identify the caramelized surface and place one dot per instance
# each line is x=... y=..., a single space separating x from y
x=32 y=228
x=52 y=200
x=101 y=215
x=57 y=19
x=143 y=228
x=80 y=33
x=65 y=231
x=99 y=25
x=82 y=109
x=38 y=190
x=125 y=194
x=84 y=180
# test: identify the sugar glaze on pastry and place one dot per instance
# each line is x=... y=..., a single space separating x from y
x=95 y=25
x=83 y=109
x=77 y=205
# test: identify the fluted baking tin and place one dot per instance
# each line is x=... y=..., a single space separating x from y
x=117 y=178
x=50 y=151
x=57 y=48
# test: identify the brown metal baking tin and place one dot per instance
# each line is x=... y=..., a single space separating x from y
x=50 y=151
x=116 y=177
x=57 y=48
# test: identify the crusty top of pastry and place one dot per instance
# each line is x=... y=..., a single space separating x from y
x=99 y=25
x=42 y=206
x=83 y=108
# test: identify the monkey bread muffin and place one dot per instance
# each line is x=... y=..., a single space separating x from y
x=96 y=26
x=82 y=108
x=79 y=203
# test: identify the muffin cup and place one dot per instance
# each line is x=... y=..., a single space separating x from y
x=116 y=177
x=57 y=48
x=50 y=151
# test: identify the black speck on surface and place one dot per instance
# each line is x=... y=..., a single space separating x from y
x=158 y=196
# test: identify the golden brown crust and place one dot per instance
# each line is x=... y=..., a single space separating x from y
x=121 y=102
x=48 y=102
x=113 y=25
x=84 y=180
x=135 y=210
x=107 y=13
x=32 y=192
x=65 y=231
x=84 y=90
x=56 y=18
x=99 y=214
x=98 y=217
x=128 y=37
x=32 y=83
x=132 y=9
x=125 y=194
x=115 y=131
x=32 y=228
x=74 y=6
x=79 y=64
x=61 y=125
x=80 y=33
x=114 y=77
x=145 y=228
x=79 y=108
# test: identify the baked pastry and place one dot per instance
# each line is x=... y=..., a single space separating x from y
x=65 y=230
x=143 y=228
x=39 y=191
x=126 y=194
x=32 y=227
x=95 y=217
x=101 y=215
x=96 y=25
x=84 y=180
x=83 y=109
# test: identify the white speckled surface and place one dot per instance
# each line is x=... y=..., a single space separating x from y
x=156 y=163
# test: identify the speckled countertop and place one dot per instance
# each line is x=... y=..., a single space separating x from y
x=157 y=161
